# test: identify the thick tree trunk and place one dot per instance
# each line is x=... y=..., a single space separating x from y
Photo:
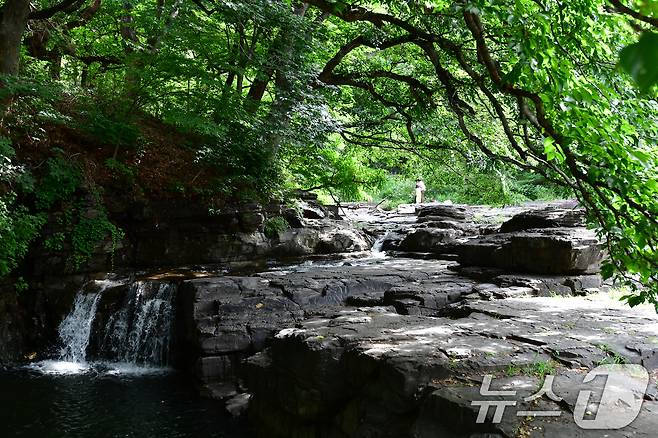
x=13 y=20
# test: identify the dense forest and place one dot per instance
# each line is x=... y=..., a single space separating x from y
x=490 y=101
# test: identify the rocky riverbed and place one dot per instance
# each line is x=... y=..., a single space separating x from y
x=384 y=324
x=398 y=345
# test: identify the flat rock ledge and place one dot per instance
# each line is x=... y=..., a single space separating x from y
x=398 y=346
x=229 y=318
x=371 y=372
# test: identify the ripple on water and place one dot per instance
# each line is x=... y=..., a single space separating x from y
x=52 y=399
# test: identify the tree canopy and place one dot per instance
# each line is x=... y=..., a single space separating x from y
x=327 y=94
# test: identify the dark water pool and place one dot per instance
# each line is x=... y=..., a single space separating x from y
x=108 y=404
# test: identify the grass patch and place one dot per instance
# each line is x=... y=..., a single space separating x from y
x=612 y=357
x=539 y=369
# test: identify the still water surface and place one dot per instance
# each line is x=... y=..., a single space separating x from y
x=54 y=399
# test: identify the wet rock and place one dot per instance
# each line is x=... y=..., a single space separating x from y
x=229 y=317
x=216 y=368
x=252 y=220
x=365 y=300
x=296 y=242
x=310 y=211
x=219 y=391
x=238 y=404
x=324 y=238
x=342 y=240
x=293 y=217
x=434 y=222
x=546 y=285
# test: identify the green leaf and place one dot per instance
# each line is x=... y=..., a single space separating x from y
x=551 y=150
x=634 y=300
x=607 y=270
x=640 y=60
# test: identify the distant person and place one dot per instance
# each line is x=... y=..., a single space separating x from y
x=420 y=191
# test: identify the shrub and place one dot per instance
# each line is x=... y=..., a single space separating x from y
x=17 y=229
x=60 y=182
x=274 y=226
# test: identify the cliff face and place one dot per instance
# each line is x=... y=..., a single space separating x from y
x=29 y=318
x=159 y=236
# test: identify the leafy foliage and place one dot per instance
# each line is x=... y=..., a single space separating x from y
x=274 y=226
x=60 y=182
x=489 y=100
x=640 y=60
x=18 y=227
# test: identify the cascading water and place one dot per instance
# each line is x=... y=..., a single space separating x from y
x=376 y=249
x=140 y=332
x=131 y=337
x=75 y=330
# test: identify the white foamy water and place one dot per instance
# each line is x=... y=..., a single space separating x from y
x=59 y=367
x=64 y=368
x=140 y=332
x=376 y=250
x=134 y=342
x=75 y=329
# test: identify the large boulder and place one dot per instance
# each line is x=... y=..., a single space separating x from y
x=296 y=242
x=342 y=240
x=293 y=218
x=436 y=240
x=314 y=210
x=320 y=239
x=550 y=217
x=541 y=251
x=443 y=211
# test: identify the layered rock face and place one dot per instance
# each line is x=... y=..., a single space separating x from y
x=166 y=235
x=232 y=317
x=171 y=234
x=372 y=372
x=397 y=347
x=540 y=251
x=547 y=241
x=546 y=247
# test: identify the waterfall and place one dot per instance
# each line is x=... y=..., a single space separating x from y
x=74 y=331
x=376 y=249
x=140 y=332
